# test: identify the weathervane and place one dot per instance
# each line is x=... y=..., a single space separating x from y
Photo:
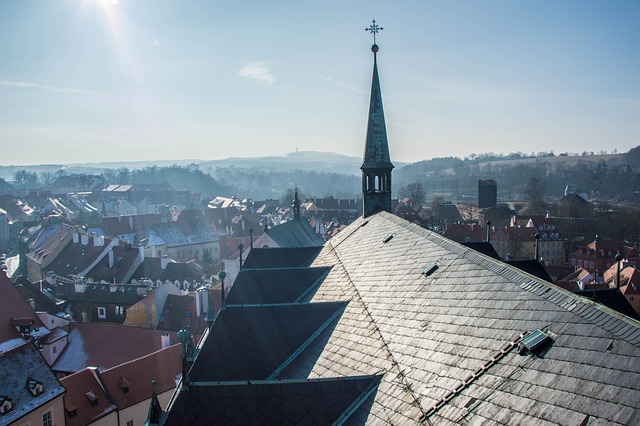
x=374 y=29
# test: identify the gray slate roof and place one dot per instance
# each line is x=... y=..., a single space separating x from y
x=271 y=258
x=257 y=342
x=295 y=233
x=447 y=342
x=16 y=367
x=259 y=287
x=304 y=402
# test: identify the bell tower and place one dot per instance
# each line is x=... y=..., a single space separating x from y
x=376 y=165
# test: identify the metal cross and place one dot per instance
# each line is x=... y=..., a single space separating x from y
x=373 y=29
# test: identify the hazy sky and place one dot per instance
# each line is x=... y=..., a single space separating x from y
x=119 y=80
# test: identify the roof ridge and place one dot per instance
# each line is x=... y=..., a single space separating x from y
x=395 y=364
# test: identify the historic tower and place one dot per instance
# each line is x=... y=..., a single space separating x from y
x=376 y=165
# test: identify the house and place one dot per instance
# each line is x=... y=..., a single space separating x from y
x=133 y=229
x=48 y=240
x=30 y=394
x=599 y=255
x=120 y=395
x=20 y=323
x=188 y=236
x=107 y=345
x=87 y=401
x=77 y=183
x=574 y=206
x=293 y=233
x=629 y=284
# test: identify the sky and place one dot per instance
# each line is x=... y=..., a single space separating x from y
x=135 y=80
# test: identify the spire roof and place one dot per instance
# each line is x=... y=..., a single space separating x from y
x=376 y=150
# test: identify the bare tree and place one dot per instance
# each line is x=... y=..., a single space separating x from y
x=25 y=179
x=415 y=191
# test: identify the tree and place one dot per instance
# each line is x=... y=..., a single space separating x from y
x=25 y=179
x=534 y=194
x=415 y=191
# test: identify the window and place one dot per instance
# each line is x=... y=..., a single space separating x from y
x=129 y=422
x=573 y=261
x=591 y=264
x=55 y=349
x=579 y=262
x=119 y=310
x=47 y=419
x=631 y=298
x=102 y=312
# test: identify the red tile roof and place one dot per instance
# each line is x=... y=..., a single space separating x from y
x=13 y=305
x=130 y=383
x=106 y=345
x=86 y=396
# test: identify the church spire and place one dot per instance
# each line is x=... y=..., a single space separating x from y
x=376 y=165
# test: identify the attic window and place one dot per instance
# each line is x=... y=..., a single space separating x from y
x=93 y=399
x=71 y=409
x=429 y=269
x=533 y=342
x=5 y=404
x=124 y=385
x=389 y=238
x=34 y=386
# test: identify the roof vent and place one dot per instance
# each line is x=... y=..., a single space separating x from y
x=532 y=342
x=429 y=269
x=389 y=238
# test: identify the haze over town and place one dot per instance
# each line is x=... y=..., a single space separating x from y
x=122 y=80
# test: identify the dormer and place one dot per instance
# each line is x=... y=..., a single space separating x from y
x=34 y=386
x=93 y=399
x=70 y=408
x=5 y=404
x=124 y=385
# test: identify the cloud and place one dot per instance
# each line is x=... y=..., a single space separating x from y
x=50 y=87
x=345 y=86
x=258 y=71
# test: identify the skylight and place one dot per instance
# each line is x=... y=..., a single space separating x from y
x=533 y=342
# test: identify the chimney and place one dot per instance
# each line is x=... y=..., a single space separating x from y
x=131 y=221
x=619 y=258
x=166 y=340
x=111 y=260
x=96 y=241
x=141 y=250
x=164 y=261
x=535 y=251
x=84 y=239
x=488 y=231
x=76 y=237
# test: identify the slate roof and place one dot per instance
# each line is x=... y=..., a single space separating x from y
x=612 y=298
x=75 y=258
x=86 y=396
x=447 y=342
x=295 y=233
x=258 y=287
x=151 y=268
x=16 y=367
x=106 y=345
x=188 y=229
x=124 y=258
x=257 y=342
x=273 y=258
x=319 y=401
